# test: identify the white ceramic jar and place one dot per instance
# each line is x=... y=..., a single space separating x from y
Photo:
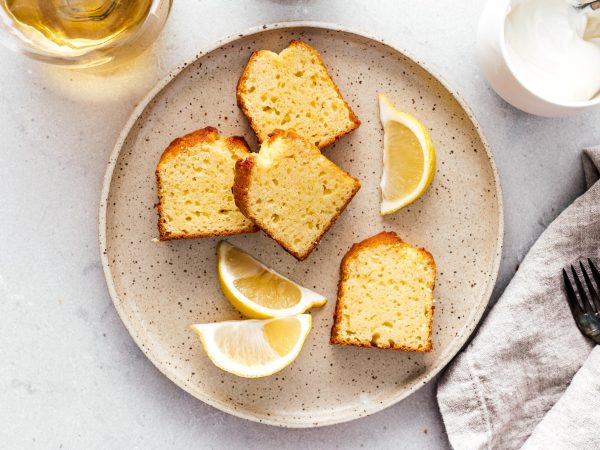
x=500 y=73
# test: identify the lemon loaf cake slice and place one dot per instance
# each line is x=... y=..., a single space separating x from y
x=293 y=90
x=385 y=296
x=292 y=192
x=194 y=175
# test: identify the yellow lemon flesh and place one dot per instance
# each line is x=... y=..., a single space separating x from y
x=254 y=348
x=257 y=291
x=408 y=158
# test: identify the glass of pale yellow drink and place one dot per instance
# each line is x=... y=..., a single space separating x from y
x=81 y=33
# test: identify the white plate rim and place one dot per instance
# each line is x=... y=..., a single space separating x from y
x=451 y=351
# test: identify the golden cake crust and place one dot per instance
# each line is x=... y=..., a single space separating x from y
x=182 y=144
x=382 y=238
x=241 y=92
x=241 y=186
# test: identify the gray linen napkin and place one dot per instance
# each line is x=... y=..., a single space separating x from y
x=575 y=419
x=528 y=349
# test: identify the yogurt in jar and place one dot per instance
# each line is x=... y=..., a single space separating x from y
x=554 y=49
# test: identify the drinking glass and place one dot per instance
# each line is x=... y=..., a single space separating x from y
x=81 y=33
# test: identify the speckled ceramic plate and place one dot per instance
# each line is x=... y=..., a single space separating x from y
x=160 y=288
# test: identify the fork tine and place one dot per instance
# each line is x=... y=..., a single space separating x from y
x=572 y=298
x=591 y=289
x=595 y=273
x=584 y=300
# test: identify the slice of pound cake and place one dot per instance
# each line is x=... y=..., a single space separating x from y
x=195 y=174
x=385 y=296
x=292 y=192
x=293 y=90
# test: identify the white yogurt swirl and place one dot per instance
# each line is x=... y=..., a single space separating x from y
x=550 y=51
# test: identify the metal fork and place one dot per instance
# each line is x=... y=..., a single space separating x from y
x=586 y=313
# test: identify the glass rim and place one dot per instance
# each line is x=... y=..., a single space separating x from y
x=11 y=38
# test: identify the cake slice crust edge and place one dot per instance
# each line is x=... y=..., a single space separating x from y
x=242 y=183
x=204 y=135
x=382 y=238
x=241 y=91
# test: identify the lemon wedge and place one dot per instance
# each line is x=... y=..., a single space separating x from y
x=408 y=158
x=254 y=348
x=257 y=291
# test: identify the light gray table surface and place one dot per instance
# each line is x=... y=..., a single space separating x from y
x=70 y=375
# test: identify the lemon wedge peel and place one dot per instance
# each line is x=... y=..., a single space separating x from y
x=388 y=113
x=250 y=308
x=250 y=340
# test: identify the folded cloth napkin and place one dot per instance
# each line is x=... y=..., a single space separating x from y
x=573 y=422
x=526 y=352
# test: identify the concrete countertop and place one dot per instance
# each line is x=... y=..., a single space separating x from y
x=71 y=377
